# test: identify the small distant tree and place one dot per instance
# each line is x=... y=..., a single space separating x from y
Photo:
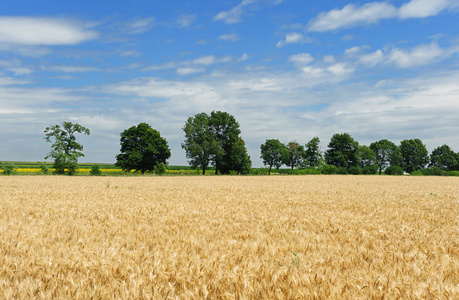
x=387 y=154
x=142 y=148
x=312 y=157
x=95 y=170
x=414 y=155
x=43 y=167
x=296 y=154
x=65 y=150
x=274 y=153
x=343 y=151
x=443 y=157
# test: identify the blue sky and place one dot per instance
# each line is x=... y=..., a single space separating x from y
x=285 y=69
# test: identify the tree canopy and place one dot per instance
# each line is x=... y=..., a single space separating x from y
x=296 y=154
x=312 y=155
x=443 y=157
x=343 y=151
x=414 y=155
x=274 y=153
x=142 y=148
x=65 y=150
x=387 y=154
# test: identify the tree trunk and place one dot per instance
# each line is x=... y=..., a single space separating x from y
x=203 y=170
x=269 y=170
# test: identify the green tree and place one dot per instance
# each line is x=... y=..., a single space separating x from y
x=366 y=156
x=414 y=155
x=387 y=154
x=65 y=150
x=237 y=159
x=443 y=157
x=296 y=154
x=201 y=145
x=343 y=151
x=312 y=156
x=274 y=153
x=225 y=130
x=142 y=148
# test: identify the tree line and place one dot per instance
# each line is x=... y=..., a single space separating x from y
x=214 y=140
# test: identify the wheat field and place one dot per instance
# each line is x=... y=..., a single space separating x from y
x=229 y=237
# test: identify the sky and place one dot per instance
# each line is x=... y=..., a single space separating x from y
x=285 y=69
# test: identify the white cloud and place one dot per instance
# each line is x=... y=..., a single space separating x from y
x=70 y=69
x=187 y=71
x=232 y=37
x=293 y=38
x=233 y=15
x=302 y=58
x=329 y=59
x=43 y=31
x=141 y=25
x=425 y=8
x=244 y=57
x=352 y=15
x=418 y=56
x=186 y=20
x=205 y=60
x=372 y=59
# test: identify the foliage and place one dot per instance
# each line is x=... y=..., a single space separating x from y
x=296 y=154
x=329 y=169
x=414 y=155
x=65 y=150
x=95 y=170
x=274 y=154
x=225 y=130
x=386 y=154
x=160 y=169
x=200 y=144
x=312 y=156
x=433 y=171
x=309 y=171
x=259 y=171
x=341 y=170
x=366 y=156
x=393 y=170
x=236 y=159
x=370 y=170
x=354 y=170
x=343 y=151
x=443 y=157
x=43 y=167
x=142 y=148
x=7 y=167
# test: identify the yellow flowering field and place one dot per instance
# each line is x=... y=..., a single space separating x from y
x=229 y=237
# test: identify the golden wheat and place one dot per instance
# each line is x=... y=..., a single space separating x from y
x=265 y=237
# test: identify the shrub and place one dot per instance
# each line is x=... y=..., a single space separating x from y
x=453 y=173
x=416 y=173
x=7 y=167
x=394 y=170
x=95 y=170
x=341 y=171
x=434 y=171
x=259 y=171
x=160 y=169
x=43 y=167
x=329 y=169
x=354 y=171
x=370 y=170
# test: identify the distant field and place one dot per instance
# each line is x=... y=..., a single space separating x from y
x=33 y=168
x=229 y=237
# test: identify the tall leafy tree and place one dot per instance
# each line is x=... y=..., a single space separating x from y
x=237 y=159
x=65 y=150
x=387 y=154
x=274 y=153
x=366 y=156
x=414 y=155
x=296 y=154
x=312 y=155
x=226 y=131
x=443 y=157
x=201 y=145
x=142 y=148
x=342 y=151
